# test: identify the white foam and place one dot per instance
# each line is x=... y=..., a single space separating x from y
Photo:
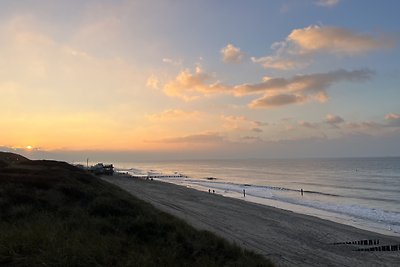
x=320 y=204
x=362 y=217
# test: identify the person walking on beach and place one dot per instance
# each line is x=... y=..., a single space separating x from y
x=301 y=191
x=244 y=193
x=209 y=191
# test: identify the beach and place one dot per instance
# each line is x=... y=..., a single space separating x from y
x=285 y=237
x=361 y=192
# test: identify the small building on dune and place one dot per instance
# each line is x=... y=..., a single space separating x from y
x=102 y=169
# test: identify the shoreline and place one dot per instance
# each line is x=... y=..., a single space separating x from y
x=322 y=214
x=332 y=190
x=285 y=237
x=341 y=218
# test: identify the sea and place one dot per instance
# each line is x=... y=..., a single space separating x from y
x=362 y=192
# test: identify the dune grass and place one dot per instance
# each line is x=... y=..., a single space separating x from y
x=53 y=214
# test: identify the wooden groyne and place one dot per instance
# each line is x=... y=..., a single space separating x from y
x=153 y=176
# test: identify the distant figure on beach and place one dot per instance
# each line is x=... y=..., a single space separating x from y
x=301 y=191
x=209 y=191
x=244 y=193
x=213 y=191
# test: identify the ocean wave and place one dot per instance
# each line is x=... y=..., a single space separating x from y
x=274 y=193
x=239 y=187
x=370 y=214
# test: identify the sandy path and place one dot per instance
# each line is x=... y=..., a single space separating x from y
x=287 y=238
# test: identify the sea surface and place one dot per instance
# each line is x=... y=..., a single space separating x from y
x=362 y=192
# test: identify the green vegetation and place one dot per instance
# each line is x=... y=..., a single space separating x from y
x=53 y=214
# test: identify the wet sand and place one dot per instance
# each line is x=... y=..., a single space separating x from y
x=285 y=237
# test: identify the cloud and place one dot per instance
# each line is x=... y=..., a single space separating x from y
x=194 y=139
x=176 y=62
x=276 y=100
x=364 y=126
x=301 y=45
x=257 y=130
x=392 y=116
x=189 y=86
x=241 y=123
x=300 y=88
x=279 y=63
x=333 y=119
x=276 y=91
x=174 y=115
x=39 y=64
x=335 y=40
x=306 y=124
x=393 y=119
x=285 y=57
x=334 y=126
x=251 y=140
x=232 y=54
x=152 y=82
x=327 y=3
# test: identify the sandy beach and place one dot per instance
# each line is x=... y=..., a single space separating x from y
x=287 y=238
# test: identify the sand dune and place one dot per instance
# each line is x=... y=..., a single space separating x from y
x=287 y=238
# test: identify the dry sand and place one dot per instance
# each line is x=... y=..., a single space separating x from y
x=287 y=238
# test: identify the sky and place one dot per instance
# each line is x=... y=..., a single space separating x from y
x=172 y=79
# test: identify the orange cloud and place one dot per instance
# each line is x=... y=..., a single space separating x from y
x=197 y=141
x=336 y=40
x=303 y=44
x=241 y=123
x=152 y=82
x=198 y=138
x=189 y=86
x=51 y=90
x=174 y=115
x=276 y=91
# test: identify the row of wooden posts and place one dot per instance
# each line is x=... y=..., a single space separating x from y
x=370 y=242
x=381 y=248
x=359 y=242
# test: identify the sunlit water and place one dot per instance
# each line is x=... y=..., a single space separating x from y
x=363 y=192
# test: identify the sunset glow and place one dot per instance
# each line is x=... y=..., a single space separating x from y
x=229 y=77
